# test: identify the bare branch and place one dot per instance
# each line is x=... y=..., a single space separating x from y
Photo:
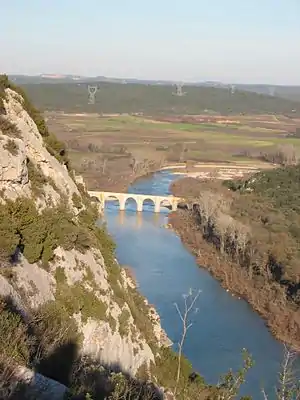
x=186 y=325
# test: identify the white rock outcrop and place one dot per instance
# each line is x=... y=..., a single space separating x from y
x=31 y=145
x=13 y=170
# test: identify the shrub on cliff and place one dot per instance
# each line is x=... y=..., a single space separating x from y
x=8 y=128
x=9 y=239
x=38 y=342
x=36 y=177
x=37 y=235
x=17 y=345
x=56 y=148
x=12 y=147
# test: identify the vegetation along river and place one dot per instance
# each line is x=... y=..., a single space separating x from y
x=165 y=270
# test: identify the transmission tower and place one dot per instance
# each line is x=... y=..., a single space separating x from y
x=92 y=93
x=272 y=91
x=178 y=88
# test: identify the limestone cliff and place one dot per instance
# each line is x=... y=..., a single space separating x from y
x=51 y=252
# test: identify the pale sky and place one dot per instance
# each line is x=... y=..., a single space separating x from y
x=255 y=41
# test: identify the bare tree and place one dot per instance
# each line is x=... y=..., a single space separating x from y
x=289 y=387
x=211 y=204
x=242 y=237
x=137 y=160
x=208 y=204
x=287 y=154
x=214 y=173
x=189 y=165
x=252 y=253
x=104 y=162
x=224 y=223
x=189 y=302
x=182 y=152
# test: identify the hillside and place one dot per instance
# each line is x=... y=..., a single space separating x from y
x=249 y=238
x=155 y=100
x=70 y=315
x=286 y=92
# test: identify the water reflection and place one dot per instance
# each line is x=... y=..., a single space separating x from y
x=156 y=219
x=123 y=216
x=139 y=219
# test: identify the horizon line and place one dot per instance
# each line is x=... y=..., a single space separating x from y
x=57 y=76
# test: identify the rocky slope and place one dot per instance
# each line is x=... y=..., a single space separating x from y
x=53 y=257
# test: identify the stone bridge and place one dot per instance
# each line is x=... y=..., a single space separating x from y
x=158 y=201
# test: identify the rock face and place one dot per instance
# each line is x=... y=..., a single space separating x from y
x=30 y=145
x=107 y=336
x=13 y=170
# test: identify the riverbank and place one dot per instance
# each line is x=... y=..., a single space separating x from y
x=120 y=184
x=282 y=322
x=115 y=182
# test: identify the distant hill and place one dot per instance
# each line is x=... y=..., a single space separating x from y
x=154 y=99
x=284 y=91
x=55 y=78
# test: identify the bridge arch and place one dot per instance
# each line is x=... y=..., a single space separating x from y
x=165 y=203
x=111 y=197
x=130 y=198
x=147 y=200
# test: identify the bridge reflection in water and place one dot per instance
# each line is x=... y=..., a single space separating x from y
x=138 y=219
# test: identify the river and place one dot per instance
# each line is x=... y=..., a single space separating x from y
x=165 y=270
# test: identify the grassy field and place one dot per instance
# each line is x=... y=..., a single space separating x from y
x=102 y=147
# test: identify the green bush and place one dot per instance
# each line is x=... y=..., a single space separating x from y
x=98 y=233
x=15 y=344
x=124 y=323
x=9 y=237
x=83 y=239
x=56 y=148
x=166 y=372
x=37 y=235
x=4 y=83
x=140 y=313
x=53 y=327
x=36 y=177
x=12 y=147
x=8 y=128
x=76 y=298
x=76 y=200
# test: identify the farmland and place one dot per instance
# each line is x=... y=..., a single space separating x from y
x=102 y=147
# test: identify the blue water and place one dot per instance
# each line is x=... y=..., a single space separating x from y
x=165 y=270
